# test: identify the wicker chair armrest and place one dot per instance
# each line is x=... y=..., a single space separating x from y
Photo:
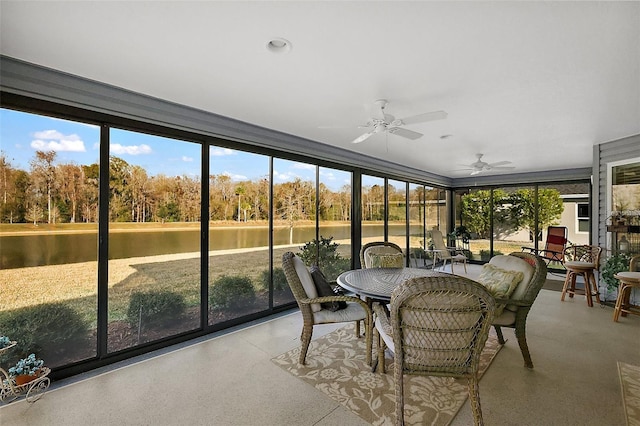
x=337 y=298
x=517 y=302
x=383 y=317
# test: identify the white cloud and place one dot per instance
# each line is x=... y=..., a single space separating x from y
x=116 y=148
x=53 y=140
x=304 y=166
x=219 y=152
x=234 y=177
x=327 y=175
x=187 y=159
x=284 y=177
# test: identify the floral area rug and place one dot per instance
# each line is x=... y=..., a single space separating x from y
x=336 y=366
x=630 y=382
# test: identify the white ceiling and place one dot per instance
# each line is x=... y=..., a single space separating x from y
x=534 y=83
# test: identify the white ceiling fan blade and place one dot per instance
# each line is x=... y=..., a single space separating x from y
x=503 y=168
x=475 y=172
x=405 y=133
x=427 y=116
x=499 y=163
x=363 y=137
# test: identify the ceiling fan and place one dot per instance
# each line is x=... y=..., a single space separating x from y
x=481 y=166
x=381 y=122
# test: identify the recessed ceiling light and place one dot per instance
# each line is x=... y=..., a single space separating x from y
x=279 y=45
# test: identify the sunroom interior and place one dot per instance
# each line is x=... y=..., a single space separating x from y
x=127 y=186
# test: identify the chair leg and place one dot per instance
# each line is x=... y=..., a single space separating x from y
x=565 y=286
x=307 y=331
x=594 y=286
x=619 y=301
x=399 y=394
x=474 y=400
x=381 y=348
x=358 y=329
x=368 y=331
x=521 y=335
x=499 y=333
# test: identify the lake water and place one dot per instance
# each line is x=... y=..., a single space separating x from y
x=54 y=249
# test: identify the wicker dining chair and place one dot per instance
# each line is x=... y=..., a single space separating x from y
x=377 y=248
x=521 y=300
x=439 y=326
x=306 y=295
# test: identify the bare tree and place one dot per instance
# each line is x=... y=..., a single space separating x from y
x=43 y=173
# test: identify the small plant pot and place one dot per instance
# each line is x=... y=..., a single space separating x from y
x=23 y=379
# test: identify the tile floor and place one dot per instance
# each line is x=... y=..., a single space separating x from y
x=229 y=379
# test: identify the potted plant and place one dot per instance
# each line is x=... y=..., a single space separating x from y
x=4 y=342
x=617 y=263
x=26 y=370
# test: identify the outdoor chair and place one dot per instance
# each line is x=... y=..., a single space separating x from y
x=381 y=254
x=518 y=304
x=437 y=326
x=628 y=281
x=584 y=261
x=444 y=253
x=313 y=313
x=553 y=251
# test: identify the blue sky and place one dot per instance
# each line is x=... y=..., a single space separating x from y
x=21 y=134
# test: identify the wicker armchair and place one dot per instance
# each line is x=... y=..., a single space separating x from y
x=304 y=291
x=377 y=247
x=519 y=303
x=439 y=326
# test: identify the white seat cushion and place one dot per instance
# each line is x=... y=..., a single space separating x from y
x=307 y=282
x=353 y=312
x=512 y=263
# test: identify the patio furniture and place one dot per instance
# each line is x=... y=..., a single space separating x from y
x=553 y=251
x=306 y=295
x=518 y=305
x=628 y=281
x=444 y=253
x=437 y=326
x=378 y=283
x=379 y=254
x=582 y=260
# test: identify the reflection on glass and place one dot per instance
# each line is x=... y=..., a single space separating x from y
x=373 y=213
x=48 y=238
x=154 y=238
x=397 y=218
x=334 y=221
x=474 y=209
x=239 y=273
x=294 y=214
x=514 y=221
x=417 y=224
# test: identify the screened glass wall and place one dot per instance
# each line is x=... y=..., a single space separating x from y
x=373 y=209
x=501 y=220
x=397 y=217
x=49 y=174
x=154 y=238
x=105 y=262
x=239 y=205
x=334 y=221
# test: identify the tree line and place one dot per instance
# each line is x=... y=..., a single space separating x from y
x=50 y=192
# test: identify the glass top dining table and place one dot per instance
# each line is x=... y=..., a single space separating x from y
x=379 y=283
